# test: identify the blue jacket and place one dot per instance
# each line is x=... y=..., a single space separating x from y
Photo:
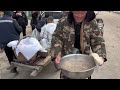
x=9 y=30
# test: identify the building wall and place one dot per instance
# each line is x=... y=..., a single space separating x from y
x=28 y=13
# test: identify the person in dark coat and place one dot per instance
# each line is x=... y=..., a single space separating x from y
x=35 y=18
x=9 y=31
x=22 y=20
x=42 y=22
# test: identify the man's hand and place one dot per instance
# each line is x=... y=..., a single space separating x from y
x=1 y=50
x=58 y=59
x=99 y=60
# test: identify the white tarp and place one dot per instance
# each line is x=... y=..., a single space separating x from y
x=29 y=47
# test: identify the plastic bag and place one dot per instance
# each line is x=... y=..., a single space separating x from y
x=36 y=34
x=13 y=44
x=44 y=42
x=46 y=35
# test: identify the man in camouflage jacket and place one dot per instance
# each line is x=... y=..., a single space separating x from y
x=90 y=37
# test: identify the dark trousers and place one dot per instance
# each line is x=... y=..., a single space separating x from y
x=10 y=54
x=24 y=30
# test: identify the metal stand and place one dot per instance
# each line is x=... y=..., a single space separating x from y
x=64 y=77
x=89 y=77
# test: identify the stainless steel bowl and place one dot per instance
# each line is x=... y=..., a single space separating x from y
x=80 y=74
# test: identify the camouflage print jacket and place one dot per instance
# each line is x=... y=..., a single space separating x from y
x=90 y=36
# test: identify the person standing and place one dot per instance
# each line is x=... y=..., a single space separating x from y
x=9 y=31
x=42 y=22
x=22 y=20
x=35 y=18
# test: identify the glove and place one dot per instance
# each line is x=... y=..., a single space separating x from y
x=99 y=60
x=58 y=59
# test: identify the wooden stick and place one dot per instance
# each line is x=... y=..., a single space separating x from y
x=23 y=65
x=10 y=67
x=35 y=72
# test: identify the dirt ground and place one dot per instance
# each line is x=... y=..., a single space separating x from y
x=110 y=69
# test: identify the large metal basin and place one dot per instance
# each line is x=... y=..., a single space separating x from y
x=80 y=73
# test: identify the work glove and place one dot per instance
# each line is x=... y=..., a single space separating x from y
x=58 y=59
x=99 y=60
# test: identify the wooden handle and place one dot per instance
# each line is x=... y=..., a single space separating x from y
x=48 y=57
x=46 y=60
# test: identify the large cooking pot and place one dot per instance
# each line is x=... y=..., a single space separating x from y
x=77 y=66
